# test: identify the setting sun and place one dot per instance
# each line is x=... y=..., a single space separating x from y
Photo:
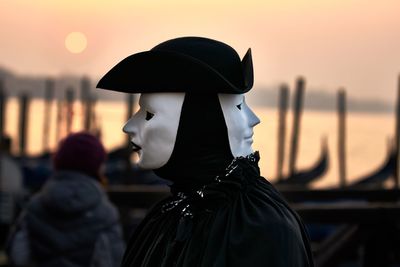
x=75 y=42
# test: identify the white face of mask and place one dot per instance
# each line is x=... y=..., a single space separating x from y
x=153 y=128
x=240 y=120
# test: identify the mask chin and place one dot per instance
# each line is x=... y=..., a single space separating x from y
x=240 y=121
x=153 y=128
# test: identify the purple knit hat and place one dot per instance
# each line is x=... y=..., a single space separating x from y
x=81 y=152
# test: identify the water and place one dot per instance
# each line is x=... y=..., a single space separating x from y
x=367 y=136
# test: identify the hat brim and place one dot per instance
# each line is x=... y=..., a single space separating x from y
x=165 y=71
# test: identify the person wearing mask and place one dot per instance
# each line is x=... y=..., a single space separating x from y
x=195 y=129
x=70 y=221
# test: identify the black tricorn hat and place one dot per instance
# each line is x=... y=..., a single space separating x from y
x=186 y=64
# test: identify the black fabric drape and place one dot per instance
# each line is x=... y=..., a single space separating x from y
x=239 y=219
x=201 y=149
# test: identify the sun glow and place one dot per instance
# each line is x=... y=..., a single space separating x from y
x=75 y=42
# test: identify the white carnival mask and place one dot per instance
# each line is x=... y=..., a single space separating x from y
x=153 y=128
x=240 y=120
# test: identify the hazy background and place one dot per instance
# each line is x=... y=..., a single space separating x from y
x=333 y=43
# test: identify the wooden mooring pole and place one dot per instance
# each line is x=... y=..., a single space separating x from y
x=297 y=110
x=397 y=137
x=3 y=101
x=283 y=106
x=48 y=99
x=59 y=120
x=95 y=124
x=69 y=96
x=342 y=137
x=86 y=99
x=129 y=112
x=23 y=123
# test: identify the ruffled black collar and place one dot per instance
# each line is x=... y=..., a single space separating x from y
x=187 y=201
x=240 y=170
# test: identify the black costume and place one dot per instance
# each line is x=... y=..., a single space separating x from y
x=221 y=212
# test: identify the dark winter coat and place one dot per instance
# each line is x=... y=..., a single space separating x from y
x=70 y=222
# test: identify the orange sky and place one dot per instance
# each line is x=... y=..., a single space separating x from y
x=333 y=43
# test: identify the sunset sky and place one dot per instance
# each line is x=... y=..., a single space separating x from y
x=333 y=43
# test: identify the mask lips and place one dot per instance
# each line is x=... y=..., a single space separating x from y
x=135 y=147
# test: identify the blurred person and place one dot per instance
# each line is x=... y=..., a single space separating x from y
x=195 y=129
x=11 y=187
x=70 y=221
x=11 y=174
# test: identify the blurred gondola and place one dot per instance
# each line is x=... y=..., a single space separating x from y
x=305 y=177
x=376 y=178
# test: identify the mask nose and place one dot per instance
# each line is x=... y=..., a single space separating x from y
x=129 y=127
x=253 y=119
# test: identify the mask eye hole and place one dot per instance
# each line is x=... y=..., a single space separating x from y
x=239 y=106
x=149 y=116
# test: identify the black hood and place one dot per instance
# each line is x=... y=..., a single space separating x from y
x=201 y=150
